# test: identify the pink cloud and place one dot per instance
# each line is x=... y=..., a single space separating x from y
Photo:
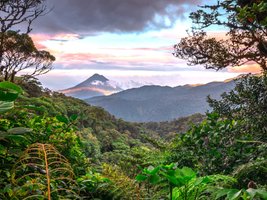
x=159 y=55
x=39 y=39
x=116 y=55
x=248 y=68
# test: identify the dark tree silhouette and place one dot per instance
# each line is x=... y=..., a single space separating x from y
x=16 y=12
x=20 y=54
x=17 y=50
x=245 y=41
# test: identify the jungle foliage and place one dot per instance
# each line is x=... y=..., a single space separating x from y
x=53 y=146
x=58 y=147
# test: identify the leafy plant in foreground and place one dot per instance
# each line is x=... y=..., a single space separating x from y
x=235 y=194
x=183 y=183
x=9 y=92
x=43 y=173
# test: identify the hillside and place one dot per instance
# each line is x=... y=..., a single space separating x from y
x=157 y=103
x=50 y=133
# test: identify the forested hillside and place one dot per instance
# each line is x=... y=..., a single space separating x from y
x=94 y=155
x=105 y=155
x=159 y=103
x=58 y=147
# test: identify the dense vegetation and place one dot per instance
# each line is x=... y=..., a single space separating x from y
x=58 y=147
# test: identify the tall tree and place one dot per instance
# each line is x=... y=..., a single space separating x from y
x=17 y=50
x=20 y=54
x=245 y=42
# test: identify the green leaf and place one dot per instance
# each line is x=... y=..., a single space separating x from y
x=6 y=105
x=62 y=119
x=10 y=86
x=73 y=117
x=174 y=180
x=151 y=170
x=201 y=180
x=33 y=107
x=8 y=96
x=2 y=150
x=168 y=167
x=188 y=172
x=261 y=193
x=19 y=130
x=221 y=193
x=176 y=193
x=234 y=194
x=17 y=138
x=184 y=175
x=154 y=179
x=140 y=177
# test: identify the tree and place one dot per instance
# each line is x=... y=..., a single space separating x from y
x=15 y=12
x=17 y=50
x=20 y=53
x=245 y=41
x=247 y=103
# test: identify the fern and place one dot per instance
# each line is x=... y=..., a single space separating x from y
x=43 y=173
x=255 y=171
x=120 y=186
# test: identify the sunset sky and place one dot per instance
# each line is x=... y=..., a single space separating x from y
x=125 y=40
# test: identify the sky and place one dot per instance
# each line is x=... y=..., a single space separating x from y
x=128 y=41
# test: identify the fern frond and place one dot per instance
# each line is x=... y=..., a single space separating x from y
x=121 y=186
x=43 y=173
x=253 y=171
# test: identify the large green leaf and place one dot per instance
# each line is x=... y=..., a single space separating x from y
x=17 y=139
x=231 y=193
x=62 y=119
x=221 y=193
x=11 y=87
x=262 y=193
x=188 y=172
x=6 y=105
x=154 y=179
x=13 y=131
x=184 y=175
x=257 y=192
x=173 y=180
x=8 y=96
x=140 y=177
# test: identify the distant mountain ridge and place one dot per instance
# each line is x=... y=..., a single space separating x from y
x=96 y=85
x=158 y=103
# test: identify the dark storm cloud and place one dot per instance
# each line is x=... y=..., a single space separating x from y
x=90 y=16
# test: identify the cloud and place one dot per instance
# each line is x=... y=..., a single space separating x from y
x=248 y=68
x=165 y=62
x=40 y=39
x=91 y=16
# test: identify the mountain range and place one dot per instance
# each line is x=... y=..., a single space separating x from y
x=147 y=103
x=158 y=103
x=96 y=85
